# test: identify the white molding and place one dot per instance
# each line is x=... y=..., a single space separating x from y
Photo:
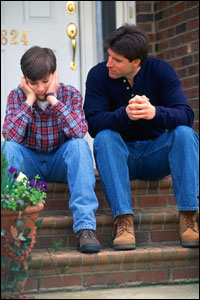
x=87 y=25
x=125 y=12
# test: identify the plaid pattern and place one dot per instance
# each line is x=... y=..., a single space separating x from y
x=45 y=131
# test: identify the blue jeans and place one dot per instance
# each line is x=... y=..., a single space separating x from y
x=71 y=163
x=175 y=152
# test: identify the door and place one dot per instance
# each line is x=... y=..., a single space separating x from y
x=43 y=23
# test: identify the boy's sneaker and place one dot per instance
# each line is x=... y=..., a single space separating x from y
x=88 y=242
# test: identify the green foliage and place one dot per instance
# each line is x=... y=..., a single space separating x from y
x=57 y=245
x=17 y=192
x=16 y=271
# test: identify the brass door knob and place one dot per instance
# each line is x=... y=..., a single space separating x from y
x=72 y=32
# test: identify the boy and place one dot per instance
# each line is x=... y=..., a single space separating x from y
x=46 y=127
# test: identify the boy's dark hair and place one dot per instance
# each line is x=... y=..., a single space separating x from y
x=129 y=41
x=38 y=62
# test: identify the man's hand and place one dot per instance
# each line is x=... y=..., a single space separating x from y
x=30 y=94
x=140 y=107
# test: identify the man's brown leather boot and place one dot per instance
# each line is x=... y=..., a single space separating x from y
x=125 y=237
x=189 y=229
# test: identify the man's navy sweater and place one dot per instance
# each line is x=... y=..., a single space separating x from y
x=106 y=100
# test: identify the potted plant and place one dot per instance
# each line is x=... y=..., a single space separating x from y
x=21 y=202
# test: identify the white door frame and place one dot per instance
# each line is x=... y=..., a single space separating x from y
x=125 y=13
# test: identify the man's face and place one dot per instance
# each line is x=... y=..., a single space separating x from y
x=40 y=87
x=119 y=66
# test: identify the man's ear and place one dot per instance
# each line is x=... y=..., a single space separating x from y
x=136 y=63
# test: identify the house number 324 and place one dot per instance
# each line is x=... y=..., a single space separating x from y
x=5 y=37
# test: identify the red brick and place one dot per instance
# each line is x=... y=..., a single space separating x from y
x=163 y=236
x=168 y=257
x=30 y=285
x=186 y=273
x=60 y=281
x=55 y=205
x=105 y=279
x=149 y=276
x=152 y=201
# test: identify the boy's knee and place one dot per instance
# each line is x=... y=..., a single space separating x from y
x=77 y=147
x=9 y=146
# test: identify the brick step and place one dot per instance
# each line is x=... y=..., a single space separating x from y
x=70 y=269
x=144 y=193
x=151 y=226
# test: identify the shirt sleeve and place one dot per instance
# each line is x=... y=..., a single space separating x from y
x=174 y=109
x=71 y=113
x=18 y=114
x=98 y=107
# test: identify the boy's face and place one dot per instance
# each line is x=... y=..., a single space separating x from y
x=40 y=87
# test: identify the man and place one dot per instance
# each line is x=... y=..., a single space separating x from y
x=45 y=125
x=141 y=121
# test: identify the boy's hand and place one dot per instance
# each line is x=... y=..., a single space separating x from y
x=54 y=83
x=30 y=94
x=140 y=107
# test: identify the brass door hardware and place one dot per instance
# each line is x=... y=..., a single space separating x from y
x=72 y=32
x=71 y=7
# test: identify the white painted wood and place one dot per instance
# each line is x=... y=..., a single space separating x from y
x=125 y=12
x=46 y=23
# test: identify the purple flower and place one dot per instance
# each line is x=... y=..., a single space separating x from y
x=12 y=171
x=42 y=185
x=32 y=183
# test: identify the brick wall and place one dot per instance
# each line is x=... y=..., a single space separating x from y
x=173 y=28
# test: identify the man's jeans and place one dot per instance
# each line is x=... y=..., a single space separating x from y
x=71 y=163
x=175 y=152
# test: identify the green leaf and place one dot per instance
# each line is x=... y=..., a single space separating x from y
x=20 y=224
x=27 y=231
x=3 y=232
x=14 y=266
x=29 y=259
x=38 y=223
x=57 y=245
x=21 y=238
x=3 y=261
x=17 y=250
x=26 y=245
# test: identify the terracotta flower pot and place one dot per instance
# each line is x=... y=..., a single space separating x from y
x=8 y=223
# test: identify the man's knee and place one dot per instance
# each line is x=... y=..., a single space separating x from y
x=105 y=136
x=182 y=130
x=185 y=133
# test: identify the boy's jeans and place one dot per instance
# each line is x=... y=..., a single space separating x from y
x=175 y=152
x=71 y=163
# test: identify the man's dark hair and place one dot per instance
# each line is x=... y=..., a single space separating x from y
x=37 y=62
x=130 y=42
